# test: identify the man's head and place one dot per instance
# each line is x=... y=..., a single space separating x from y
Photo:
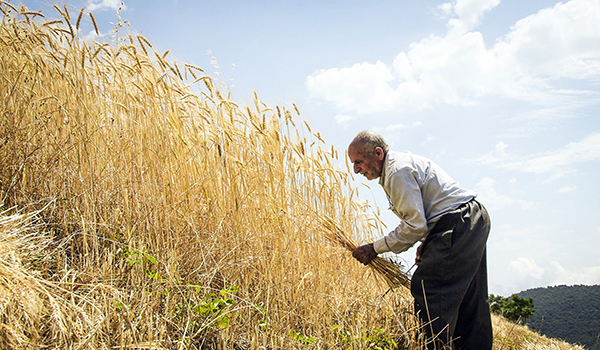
x=367 y=152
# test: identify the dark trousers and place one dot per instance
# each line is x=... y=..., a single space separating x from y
x=450 y=283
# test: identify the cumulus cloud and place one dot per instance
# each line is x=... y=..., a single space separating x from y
x=344 y=119
x=557 y=42
x=562 y=42
x=394 y=127
x=528 y=273
x=586 y=275
x=557 y=163
x=527 y=268
x=515 y=266
x=497 y=155
x=341 y=86
x=99 y=5
x=428 y=139
x=469 y=13
x=566 y=189
x=393 y=132
x=90 y=36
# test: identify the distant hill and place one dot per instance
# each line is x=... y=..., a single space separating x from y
x=571 y=313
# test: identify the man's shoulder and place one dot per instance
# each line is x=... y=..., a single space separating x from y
x=397 y=156
x=406 y=159
x=398 y=163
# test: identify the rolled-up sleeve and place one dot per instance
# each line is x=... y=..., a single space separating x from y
x=402 y=186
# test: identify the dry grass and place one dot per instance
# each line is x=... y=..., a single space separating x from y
x=509 y=336
x=164 y=215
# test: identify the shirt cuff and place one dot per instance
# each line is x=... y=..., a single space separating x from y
x=381 y=246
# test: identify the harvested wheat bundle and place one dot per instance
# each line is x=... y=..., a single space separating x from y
x=391 y=272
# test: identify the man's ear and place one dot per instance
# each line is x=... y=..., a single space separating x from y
x=379 y=153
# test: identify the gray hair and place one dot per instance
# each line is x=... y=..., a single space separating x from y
x=367 y=141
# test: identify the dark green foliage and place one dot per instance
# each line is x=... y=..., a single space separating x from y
x=515 y=308
x=571 y=313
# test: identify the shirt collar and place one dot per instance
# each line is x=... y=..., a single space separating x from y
x=384 y=168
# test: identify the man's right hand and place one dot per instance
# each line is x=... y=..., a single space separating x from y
x=418 y=257
x=365 y=253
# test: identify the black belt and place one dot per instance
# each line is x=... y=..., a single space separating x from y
x=448 y=219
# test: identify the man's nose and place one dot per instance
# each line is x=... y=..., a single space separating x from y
x=356 y=169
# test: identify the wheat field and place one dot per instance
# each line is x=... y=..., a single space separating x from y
x=143 y=208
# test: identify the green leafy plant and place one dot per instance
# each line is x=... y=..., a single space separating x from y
x=514 y=308
x=207 y=313
x=378 y=340
x=137 y=257
x=302 y=338
x=217 y=306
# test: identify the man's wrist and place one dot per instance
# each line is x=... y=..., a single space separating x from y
x=381 y=246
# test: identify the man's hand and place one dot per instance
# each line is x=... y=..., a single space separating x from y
x=418 y=257
x=365 y=253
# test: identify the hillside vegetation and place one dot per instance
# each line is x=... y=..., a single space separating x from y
x=143 y=208
x=567 y=312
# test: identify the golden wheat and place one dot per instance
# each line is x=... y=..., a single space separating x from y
x=162 y=192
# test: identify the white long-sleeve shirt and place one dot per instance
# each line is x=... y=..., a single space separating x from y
x=419 y=192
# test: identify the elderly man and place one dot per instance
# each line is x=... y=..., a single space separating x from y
x=450 y=283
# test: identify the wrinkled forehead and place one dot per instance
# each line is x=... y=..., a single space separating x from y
x=356 y=152
x=359 y=146
x=356 y=146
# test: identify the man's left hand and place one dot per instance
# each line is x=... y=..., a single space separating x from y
x=365 y=253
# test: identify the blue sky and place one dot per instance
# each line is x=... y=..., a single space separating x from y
x=503 y=94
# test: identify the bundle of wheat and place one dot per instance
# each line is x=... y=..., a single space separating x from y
x=390 y=271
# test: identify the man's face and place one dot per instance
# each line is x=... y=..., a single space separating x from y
x=369 y=164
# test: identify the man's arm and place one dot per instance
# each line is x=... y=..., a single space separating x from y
x=407 y=203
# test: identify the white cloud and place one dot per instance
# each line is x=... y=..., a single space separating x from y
x=394 y=127
x=557 y=42
x=514 y=265
x=90 y=37
x=344 y=119
x=528 y=122
x=469 y=12
x=496 y=156
x=566 y=189
x=428 y=139
x=528 y=273
x=457 y=69
x=99 y=5
x=445 y=9
x=556 y=163
x=586 y=275
x=363 y=88
x=527 y=268
x=486 y=189
x=585 y=150
x=500 y=148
